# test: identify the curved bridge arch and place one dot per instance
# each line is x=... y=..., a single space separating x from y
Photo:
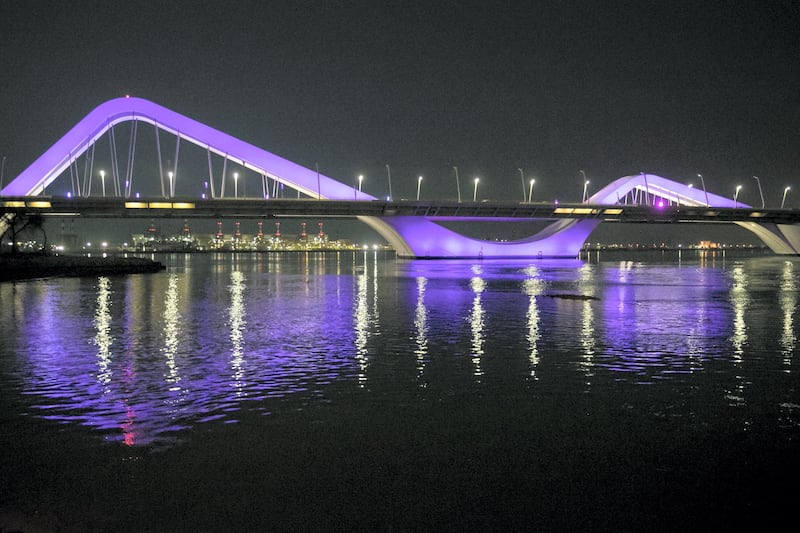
x=410 y=236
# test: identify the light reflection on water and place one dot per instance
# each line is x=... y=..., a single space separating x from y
x=144 y=357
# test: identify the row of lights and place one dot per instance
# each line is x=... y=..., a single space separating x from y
x=529 y=198
x=760 y=192
x=458 y=186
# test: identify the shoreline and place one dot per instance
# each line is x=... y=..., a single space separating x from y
x=27 y=266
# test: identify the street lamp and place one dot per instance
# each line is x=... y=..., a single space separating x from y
x=103 y=181
x=530 y=191
x=419 y=186
x=522 y=177
x=783 y=200
x=236 y=185
x=171 y=184
x=703 y=183
x=586 y=182
x=760 y=192
x=360 y=179
x=736 y=196
x=475 y=190
x=458 y=185
x=389 y=177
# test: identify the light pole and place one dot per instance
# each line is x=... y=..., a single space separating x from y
x=760 y=192
x=475 y=190
x=586 y=182
x=389 y=176
x=458 y=185
x=530 y=191
x=736 y=196
x=103 y=181
x=783 y=200
x=360 y=179
x=171 y=184
x=522 y=177
x=419 y=186
x=236 y=185
x=703 y=183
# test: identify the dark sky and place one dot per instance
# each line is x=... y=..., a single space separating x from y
x=613 y=88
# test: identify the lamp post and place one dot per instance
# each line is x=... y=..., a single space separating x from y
x=530 y=191
x=586 y=182
x=522 y=177
x=236 y=185
x=475 y=190
x=103 y=181
x=171 y=184
x=355 y=194
x=783 y=200
x=736 y=196
x=389 y=176
x=703 y=183
x=760 y=192
x=458 y=185
x=419 y=186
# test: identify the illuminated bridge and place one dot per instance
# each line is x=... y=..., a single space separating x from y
x=411 y=227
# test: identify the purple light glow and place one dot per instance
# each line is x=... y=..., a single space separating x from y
x=411 y=237
x=58 y=157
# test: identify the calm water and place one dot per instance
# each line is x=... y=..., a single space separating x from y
x=354 y=391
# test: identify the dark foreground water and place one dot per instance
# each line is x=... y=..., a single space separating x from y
x=353 y=391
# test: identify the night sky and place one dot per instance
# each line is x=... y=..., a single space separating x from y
x=612 y=88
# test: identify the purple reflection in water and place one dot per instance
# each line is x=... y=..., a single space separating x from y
x=143 y=357
x=652 y=325
x=156 y=354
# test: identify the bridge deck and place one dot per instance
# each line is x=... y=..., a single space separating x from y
x=113 y=207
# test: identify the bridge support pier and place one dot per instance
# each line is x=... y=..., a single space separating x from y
x=783 y=239
x=418 y=237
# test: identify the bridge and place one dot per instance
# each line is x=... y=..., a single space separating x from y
x=411 y=227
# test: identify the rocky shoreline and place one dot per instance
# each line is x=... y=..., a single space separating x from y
x=33 y=266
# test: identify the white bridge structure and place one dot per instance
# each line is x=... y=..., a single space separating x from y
x=411 y=236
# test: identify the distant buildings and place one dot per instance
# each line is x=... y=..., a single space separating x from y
x=153 y=241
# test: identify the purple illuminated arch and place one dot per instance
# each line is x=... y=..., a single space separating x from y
x=422 y=237
x=80 y=138
x=410 y=236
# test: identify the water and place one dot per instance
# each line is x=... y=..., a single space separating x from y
x=353 y=391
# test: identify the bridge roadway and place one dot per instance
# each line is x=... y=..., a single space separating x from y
x=114 y=207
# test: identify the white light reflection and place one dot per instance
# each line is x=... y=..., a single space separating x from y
x=421 y=324
x=533 y=287
x=740 y=301
x=476 y=321
x=361 y=325
x=588 y=340
x=788 y=302
x=102 y=337
x=171 y=329
x=237 y=322
x=375 y=316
